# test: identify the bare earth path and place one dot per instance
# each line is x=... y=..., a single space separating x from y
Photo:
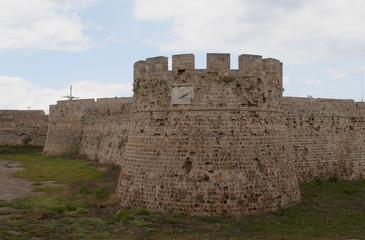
x=10 y=186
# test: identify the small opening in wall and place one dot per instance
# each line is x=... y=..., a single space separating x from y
x=181 y=71
x=188 y=165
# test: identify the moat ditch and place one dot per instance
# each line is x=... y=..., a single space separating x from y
x=86 y=208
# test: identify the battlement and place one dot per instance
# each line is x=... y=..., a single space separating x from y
x=183 y=62
x=248 y=65
x=256 y=83
x=157 y=64
x=218 y=61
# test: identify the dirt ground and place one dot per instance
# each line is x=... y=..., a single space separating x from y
x=14 y=187
x=10 y=186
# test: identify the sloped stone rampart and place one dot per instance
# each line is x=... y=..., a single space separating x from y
x=326 y=137
x=82 y=125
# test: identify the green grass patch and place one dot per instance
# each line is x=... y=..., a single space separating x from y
x=143 y=212
x=139 y=222
x=122 y=216
x=100 y=193
x=61 y=170
x=211 y=219
x=5 y=212
x=48 y=189
x=37 y=183
x=7 y=149
x=172 y=221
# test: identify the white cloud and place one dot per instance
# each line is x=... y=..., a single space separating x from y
x=17 y=93
x=294 y=31
x=43 y=24
x=98 y=27
x=312 y=81
x=114 y=39
x=335 y=74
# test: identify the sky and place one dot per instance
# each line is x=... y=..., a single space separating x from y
x=48 y=45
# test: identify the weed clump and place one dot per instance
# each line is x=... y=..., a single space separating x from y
x=100 y=193
x=83 y=189
x=350 y=191
x=27 y=140
x=143 y=212
x=334 y=178
x=172 y=221
x=122 y=216
x=319 y=181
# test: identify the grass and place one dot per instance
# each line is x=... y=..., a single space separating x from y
x=84 y=209
x=41 y=168
x=122 y=216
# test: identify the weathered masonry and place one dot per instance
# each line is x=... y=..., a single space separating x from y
x=17 y=126
x=213 y=141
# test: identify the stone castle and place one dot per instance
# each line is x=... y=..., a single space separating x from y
x=213 y=141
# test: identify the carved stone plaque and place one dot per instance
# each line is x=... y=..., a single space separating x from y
x=182 y=94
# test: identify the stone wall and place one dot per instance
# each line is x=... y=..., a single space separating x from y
x=326 y=137
x=17 y=125
x=105 y=134
x=94 y=129
x=210 y=141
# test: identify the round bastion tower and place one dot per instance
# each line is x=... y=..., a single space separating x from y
x=208 y=141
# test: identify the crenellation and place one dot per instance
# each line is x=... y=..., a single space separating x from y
x=219 y=62
x=139 y=70
x=183 y=62
x=271 y=65
x=156 y=65
x=250 y=65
